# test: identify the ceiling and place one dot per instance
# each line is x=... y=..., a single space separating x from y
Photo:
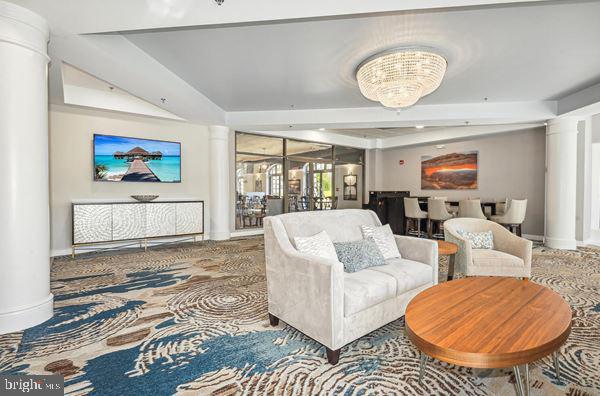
x=509 y=53
x=382 y=133
x=269 y=67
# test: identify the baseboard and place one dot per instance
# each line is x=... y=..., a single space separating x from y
x=532 y=237
x=561 y=243
x=26 y=317
x=243 y=233
x=124 y=245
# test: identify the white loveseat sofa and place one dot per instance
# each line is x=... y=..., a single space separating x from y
x=316 y=296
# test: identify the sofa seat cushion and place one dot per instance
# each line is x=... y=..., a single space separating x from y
x=366 y=288
x=407 y=274
x=495 y=258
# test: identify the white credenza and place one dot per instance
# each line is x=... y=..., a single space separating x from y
x=103 y=222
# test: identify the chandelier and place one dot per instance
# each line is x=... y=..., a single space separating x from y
x=400 y=77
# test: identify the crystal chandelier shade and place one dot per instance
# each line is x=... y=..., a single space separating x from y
x=399 y=78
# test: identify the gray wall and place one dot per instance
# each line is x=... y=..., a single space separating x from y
x=510 y=165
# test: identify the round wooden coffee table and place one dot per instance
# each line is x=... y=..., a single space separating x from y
x=448 y=249
x=489 y=322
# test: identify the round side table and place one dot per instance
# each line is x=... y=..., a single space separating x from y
x=448 y=249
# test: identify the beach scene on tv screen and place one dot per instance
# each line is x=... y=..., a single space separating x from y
x=136 y=160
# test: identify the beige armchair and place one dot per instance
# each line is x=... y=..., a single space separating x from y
x=511 y=255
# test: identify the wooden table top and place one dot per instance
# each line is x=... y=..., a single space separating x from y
x=446 y=248
x=488 y=322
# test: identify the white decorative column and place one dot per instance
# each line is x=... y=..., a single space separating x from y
x=25 y=298
x=220 y=197
x=561 y=182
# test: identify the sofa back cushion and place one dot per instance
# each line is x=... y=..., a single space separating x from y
x=342 y=225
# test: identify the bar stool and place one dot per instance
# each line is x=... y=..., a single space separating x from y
x=471 y=208
x=412 y=212
x=437 y=212
x=514 y=216
x=502 y=207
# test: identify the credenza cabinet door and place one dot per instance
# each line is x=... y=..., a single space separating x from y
x=161 y=219
x=189 y=218
x=129 y=221
x=92 y=223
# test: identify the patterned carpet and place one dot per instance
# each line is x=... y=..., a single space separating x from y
x=192 y=319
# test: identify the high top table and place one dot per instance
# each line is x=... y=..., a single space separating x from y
x=489 y=322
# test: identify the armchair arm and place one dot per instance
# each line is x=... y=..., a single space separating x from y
x=421 y=250
x=463 y=258
x=305 y=291
x=507 y=242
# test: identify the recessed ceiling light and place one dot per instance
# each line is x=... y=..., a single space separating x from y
x=419 y=126
x=321 y=129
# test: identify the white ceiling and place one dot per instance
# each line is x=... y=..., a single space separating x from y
x=243 y=64
x=382 y=133
x=529 y=52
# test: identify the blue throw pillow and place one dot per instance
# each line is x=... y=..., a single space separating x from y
x=358 y=255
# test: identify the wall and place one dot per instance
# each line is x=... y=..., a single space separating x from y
x=71 y=163
x=510 y=165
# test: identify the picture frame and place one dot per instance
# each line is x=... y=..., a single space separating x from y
x=350 y=188
x=294 y=186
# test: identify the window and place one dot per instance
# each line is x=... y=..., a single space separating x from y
x=275 y=180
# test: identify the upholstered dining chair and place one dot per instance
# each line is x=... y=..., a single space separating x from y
x=471 y=208
x=412 y=214
x=437 y=212
x=502 y=206
x=514 y=216
x=510 y=255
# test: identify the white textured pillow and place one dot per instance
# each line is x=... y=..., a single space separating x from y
x=384 y=239
x=317 y=245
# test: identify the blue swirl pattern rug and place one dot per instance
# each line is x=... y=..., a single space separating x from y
x=192 y=319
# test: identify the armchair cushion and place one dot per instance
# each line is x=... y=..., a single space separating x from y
x=319 y=245
x=408 y=274
x=358 y=255
x=384 y=238
x=365 y=289
x=495 y=258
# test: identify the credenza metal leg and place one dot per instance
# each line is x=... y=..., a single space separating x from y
x=518 y=380
x=527 y=388
x=556 y=365
x=422 y=365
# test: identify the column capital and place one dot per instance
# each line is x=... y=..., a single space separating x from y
x=22 y=27
x=562 y=125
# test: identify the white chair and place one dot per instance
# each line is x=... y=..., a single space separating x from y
x=471 y=208
x=413 y=213
x=334 y=307
x=511 y=255
x=437 y=212
x=514 y=216
x=502 y=207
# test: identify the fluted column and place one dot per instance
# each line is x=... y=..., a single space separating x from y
x=25 y=298
x=220 y=198
x=561 y=182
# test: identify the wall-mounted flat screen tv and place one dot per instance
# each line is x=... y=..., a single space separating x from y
x=126 y=159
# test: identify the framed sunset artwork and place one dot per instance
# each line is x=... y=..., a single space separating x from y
x=455 y=171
